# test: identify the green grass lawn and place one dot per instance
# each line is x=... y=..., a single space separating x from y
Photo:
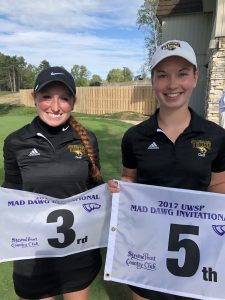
x=109 y=134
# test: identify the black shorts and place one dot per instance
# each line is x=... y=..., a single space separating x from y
x=153 y=295
x=47 y=277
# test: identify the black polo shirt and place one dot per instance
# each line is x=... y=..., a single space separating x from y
x=50 y=161
x=186 y=164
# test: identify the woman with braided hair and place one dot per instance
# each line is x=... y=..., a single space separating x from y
x=56 y=156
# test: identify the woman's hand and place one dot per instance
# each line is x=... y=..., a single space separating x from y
x=113 y=186
x=128 y=175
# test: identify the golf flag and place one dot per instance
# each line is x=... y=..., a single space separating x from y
x=168 y=240
x=35 y=225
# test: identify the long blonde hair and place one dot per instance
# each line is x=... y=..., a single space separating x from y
x=95 y=172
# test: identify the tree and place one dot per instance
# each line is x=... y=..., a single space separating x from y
x=44 y=64
x=95 y=79
x=4 y=72
x=28 y=76
x=11 y=72
x=148 y=21
x=119 y=75
x=81 y=75
x=127 y=74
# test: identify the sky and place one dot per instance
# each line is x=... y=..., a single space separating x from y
x=99 y=34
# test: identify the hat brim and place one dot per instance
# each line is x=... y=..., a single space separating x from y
x=194 y=63
x=41 y=86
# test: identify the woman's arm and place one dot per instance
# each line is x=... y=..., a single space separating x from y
x=128 y=175
x=12 y=176
x=217 y=184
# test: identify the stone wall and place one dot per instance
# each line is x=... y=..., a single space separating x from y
x=216 y=81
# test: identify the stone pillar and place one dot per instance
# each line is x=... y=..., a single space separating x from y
x=216 y=81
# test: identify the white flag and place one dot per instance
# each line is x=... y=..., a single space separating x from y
x=168 y=240
x=35 y=225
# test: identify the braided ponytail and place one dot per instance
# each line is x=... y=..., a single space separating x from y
x=95 y=172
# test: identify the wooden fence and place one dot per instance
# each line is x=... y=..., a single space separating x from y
x=108 y=99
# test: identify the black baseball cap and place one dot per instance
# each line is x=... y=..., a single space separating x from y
x=55 y=74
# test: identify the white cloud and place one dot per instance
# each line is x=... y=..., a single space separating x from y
x=74 y=14
x=71 y=32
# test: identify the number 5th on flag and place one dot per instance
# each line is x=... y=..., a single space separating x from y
x=192 y=253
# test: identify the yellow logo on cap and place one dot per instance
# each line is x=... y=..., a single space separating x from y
x=171 y=46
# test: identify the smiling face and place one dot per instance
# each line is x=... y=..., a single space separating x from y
x=173 y=80
x=54 y=104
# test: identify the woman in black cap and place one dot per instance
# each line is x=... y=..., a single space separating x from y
x=56 y=156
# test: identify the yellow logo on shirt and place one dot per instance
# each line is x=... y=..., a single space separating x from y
x=78 y=150
x=202 y=146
